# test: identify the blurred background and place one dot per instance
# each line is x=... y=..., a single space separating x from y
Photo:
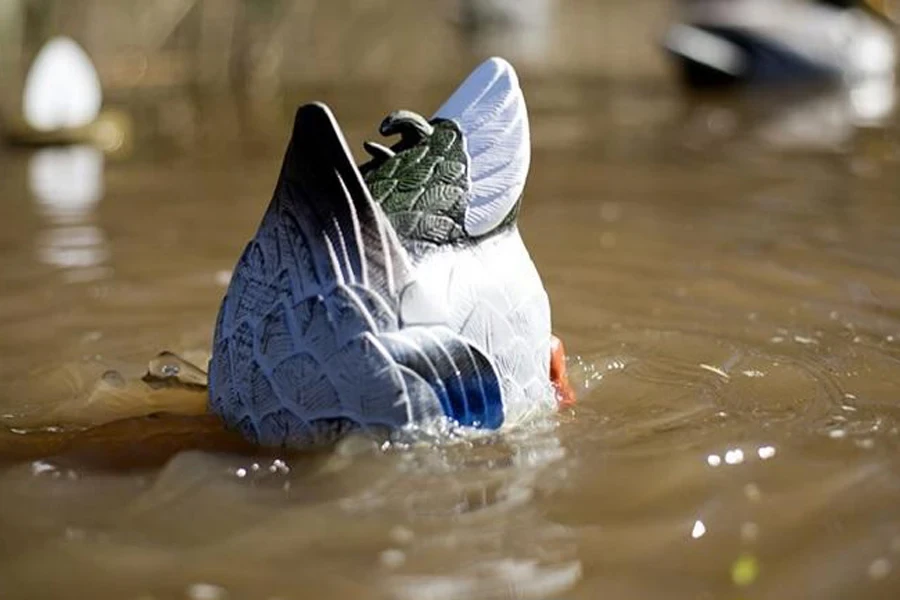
x=194 y=71
x=222 y=74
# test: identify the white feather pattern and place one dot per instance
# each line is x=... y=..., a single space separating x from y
x=490 y=109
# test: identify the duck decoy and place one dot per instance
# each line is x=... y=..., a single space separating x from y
x=752 y=42
x=396 y=294
x=62 y=90
x=62 y=101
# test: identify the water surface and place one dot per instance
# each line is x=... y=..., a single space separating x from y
x=731 y=309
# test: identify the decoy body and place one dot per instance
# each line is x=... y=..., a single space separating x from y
x=395 y=293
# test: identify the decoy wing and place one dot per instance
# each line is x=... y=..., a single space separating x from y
x=489 y=108
x=321 y=188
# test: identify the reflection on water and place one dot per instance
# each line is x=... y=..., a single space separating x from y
x=822 y=120
x=66 y=182
x=67 y=185
x=872 y=101
x=78 y=247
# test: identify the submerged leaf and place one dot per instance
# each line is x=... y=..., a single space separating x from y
x=170 y=369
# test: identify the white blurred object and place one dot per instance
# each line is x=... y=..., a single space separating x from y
x=849 y=43
x=62 y=89
x=821 y=123
x=825 y=121
x=871 y=48
x=67 y=182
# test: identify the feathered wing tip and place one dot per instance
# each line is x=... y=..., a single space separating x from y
x=324 y=188
x=490 y=109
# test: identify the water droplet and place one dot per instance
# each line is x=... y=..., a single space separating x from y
x=170 y=370
x=699 y=530
x=714 y=460
x=279 y=466
x=40 y=467
x=715 y=370
x=837 y=434
x=734 y=457
x=879 y=568
x=610 y=212
x=91 y=336
x=751 y=491
x=749 y=531
x=744 y=570
x=401 y=535
x=113 y=378
x=766 y=452
x=393 y=558
x=206 y=591
x=241 y=472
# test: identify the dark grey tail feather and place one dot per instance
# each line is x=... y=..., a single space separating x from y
x=321 y=185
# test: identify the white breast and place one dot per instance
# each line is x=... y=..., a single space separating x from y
x=492 y=295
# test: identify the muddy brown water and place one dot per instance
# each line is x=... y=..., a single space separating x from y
x=731 y=310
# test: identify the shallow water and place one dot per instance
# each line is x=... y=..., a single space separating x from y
x=731 y=313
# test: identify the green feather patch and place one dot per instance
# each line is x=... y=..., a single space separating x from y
x=423 y=189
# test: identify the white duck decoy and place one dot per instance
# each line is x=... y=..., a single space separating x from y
x=62 y=103
x=62 y=89
x=394 y=294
